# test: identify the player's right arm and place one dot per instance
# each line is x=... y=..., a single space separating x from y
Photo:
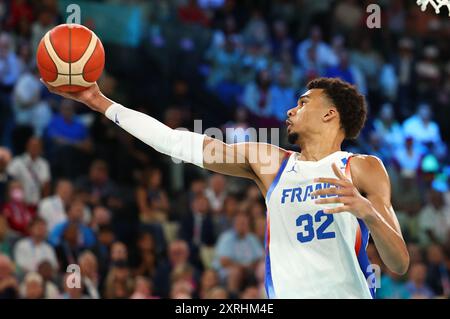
x=257 y=161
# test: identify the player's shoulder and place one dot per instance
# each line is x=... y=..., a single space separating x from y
x=367 y=168
x=365 y=162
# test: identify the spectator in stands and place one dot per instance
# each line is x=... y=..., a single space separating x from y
x=119 y=252
x=5 y=177
x=33 y=171
x=404 y=65
x=434 y=218
x=181 y=290
x=102 y=249
x=285 y=63
x=143 y=289
x=72 y=291
x=281 y=41
x=146 y=263
x=98 y=188
x=388 y=129
x=28 y=106
x=257 y=95
x=18 y=213
x=224 y=220
x=237 y=247
x=29 y=252
x=151 y=198
x=408 y=158
x=19 y=10
x=208 y=281
x=48 y=274
x=250 y=292
x=46 y=20
x=282 y=95
x=321 y=51
x=101 y=216
x=197 y=228
x=424 y=130
x=341 y=70
x=90 y=276
x=53 y=208
x=9 y=287
x=185 y=273
x=259 y=228
x=216 y=192
x=225 y=71
x=9 y=63
x=428 y=72
x=74 y=217
x=178 y=254
x=438 y=278
x=6 y=238
x=191 y=13
x=69 y=247
x=416 y=286
x=366 y=59
x=70 y=142
x=256 y=29
x=217 y=293
x=33 y=286
x=347 y=15
x=235 y=280
x=119 y=284
x=26 y=58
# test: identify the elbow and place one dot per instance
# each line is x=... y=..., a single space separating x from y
x=402 y=266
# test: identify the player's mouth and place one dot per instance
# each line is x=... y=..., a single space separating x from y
x=288 y=124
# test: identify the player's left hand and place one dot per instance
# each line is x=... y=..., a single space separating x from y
x=347 y=194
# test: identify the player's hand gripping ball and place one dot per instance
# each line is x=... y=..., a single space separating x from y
x=70 y=58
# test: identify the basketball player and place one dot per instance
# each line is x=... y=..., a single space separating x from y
x=322 y=203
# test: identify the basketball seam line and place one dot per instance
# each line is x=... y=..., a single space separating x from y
x=87 y=72
x=51 y=42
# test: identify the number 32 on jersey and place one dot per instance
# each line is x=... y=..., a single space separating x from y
x=314 y=226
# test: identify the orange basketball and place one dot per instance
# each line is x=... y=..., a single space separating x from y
x=70 y=57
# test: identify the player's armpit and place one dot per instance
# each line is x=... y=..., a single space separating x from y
x=371 y=178
x=257 y=161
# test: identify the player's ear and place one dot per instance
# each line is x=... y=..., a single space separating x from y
x=330 y=114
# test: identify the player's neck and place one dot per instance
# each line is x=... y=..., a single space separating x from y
x=315 y=150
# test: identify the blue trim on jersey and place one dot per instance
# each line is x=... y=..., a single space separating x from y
x=277 y=178
x=268 y=283
x=363 y=259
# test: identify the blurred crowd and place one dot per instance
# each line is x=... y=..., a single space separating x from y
x=75 y=189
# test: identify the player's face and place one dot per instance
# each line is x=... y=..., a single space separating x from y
x=306 y=115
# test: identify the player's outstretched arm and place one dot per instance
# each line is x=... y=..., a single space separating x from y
x=257 y=161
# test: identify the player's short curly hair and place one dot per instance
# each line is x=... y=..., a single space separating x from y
x=349 y=102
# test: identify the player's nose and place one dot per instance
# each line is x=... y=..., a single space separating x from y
x=291 y=112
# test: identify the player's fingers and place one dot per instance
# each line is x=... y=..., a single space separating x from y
x=338 y=172
x=333 y=181
x=331 y=191
x=335 y=210
x=334 y=200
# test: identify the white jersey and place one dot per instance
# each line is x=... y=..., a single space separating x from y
x=310 y=254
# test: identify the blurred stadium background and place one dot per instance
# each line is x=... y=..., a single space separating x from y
x=75 y=189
